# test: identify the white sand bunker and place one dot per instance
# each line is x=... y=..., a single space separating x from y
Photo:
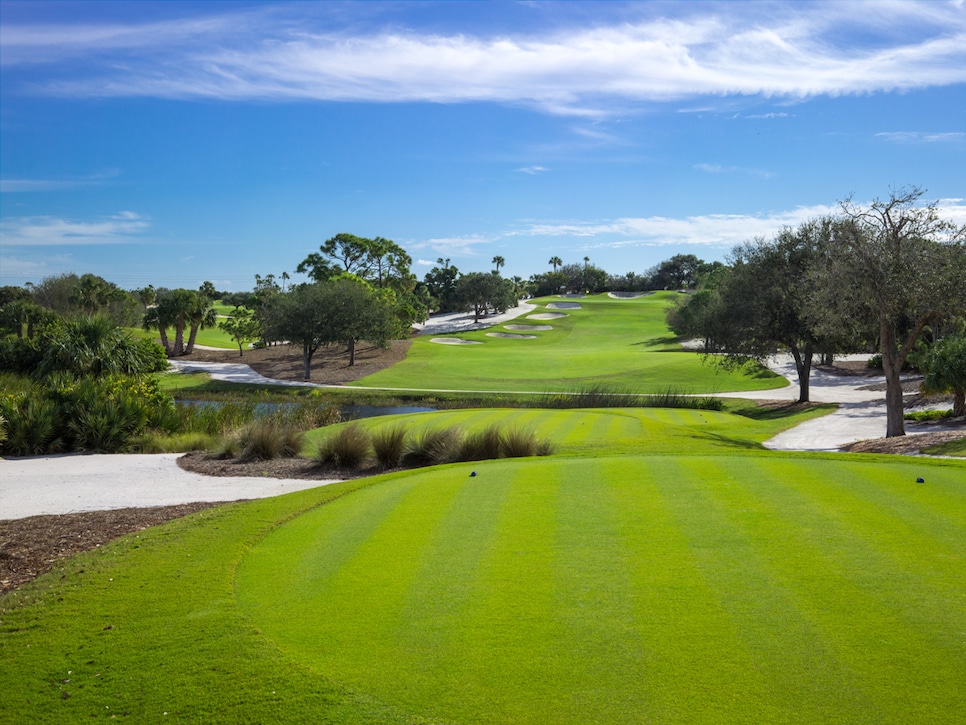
x=511 y=336
x=454 y=341
x=627 y=295
x=530 y=328
x=574 y=295
x=564 y=306
x=547 y=316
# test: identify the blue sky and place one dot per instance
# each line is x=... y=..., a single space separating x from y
x=169 y=143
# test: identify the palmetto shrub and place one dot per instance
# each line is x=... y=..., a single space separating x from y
x=389 y=446
x=33 y=425
x=348 y=448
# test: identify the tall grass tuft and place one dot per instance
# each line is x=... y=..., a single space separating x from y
x=347 y=449
x=389 y=446
x=482 y=445
x=174 y=443
x=520 y=443
x=265 y=439
x=434 y=446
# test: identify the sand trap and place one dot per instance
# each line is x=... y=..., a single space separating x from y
x=564 y=306
x=531 y=328
x=547 y=316
x=454 y=341
x=627 y=295
x=511 y=336
x=574 y=295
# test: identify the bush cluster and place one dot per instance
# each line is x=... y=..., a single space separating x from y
x=71 y=413
x=353 y=447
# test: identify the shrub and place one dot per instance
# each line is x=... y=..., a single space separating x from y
x=34 y=426
x=389 y=446
x=347 y=449
x=434 y=446
x=482 y=445
x=518 y=443
x=263 y=440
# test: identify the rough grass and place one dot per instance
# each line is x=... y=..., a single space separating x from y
x=346 y=448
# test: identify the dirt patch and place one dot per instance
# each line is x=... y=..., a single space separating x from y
x=330 y=365
x=301 y=468
x=33 y=545
x=904 y=445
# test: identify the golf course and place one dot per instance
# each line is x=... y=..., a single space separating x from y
x=660 y=566
x=567 y=344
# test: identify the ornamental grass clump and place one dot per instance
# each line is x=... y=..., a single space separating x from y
x=482 y=445
x=346 y=449
x=434 y=446
x=266 y=439
x=520 y=443
x=389 y=446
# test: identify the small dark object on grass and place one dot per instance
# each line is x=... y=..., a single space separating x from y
x=920 y=480
x=472 y=474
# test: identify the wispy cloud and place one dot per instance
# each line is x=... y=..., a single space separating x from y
x=767 y=116
x=917 y=137
x=719 y=169
x=714 y=230
x=123 y=227
x=9 y=185
x=729 y=49
x=711 y=229
x=531 y=170
x=462 y=246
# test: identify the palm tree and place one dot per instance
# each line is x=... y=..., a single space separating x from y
x=556 y=262
x=201 y=315
x=499 y=262
x=173 y=309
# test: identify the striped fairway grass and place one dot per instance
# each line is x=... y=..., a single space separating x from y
x=750 y=588
x=623 y=344
x=590 y=432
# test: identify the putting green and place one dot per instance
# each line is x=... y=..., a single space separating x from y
x=744 y=588
x=620 y=343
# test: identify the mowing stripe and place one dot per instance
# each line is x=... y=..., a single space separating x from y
x=736 y=540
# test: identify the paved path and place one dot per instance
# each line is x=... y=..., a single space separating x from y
x=70 y=483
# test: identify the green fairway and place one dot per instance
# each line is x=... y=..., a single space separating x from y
x=645 y=589
x=742 y=586
x=210 y=337
x=620 y=343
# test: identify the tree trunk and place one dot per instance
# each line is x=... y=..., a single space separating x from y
x=803 y=365
x=959 y=402
x=163 y=333
x=178 y=339
x=190 y=347
x=892 y=366
x=307 y=362
x=352 y=351
x=240 y=352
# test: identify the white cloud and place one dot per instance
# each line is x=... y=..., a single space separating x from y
x=922 y=136
x=714 y=230
x=531 y=170
x=711 y=229
x=462 y=246
x=724 y=49
x=425 y=263
x=123 y=227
